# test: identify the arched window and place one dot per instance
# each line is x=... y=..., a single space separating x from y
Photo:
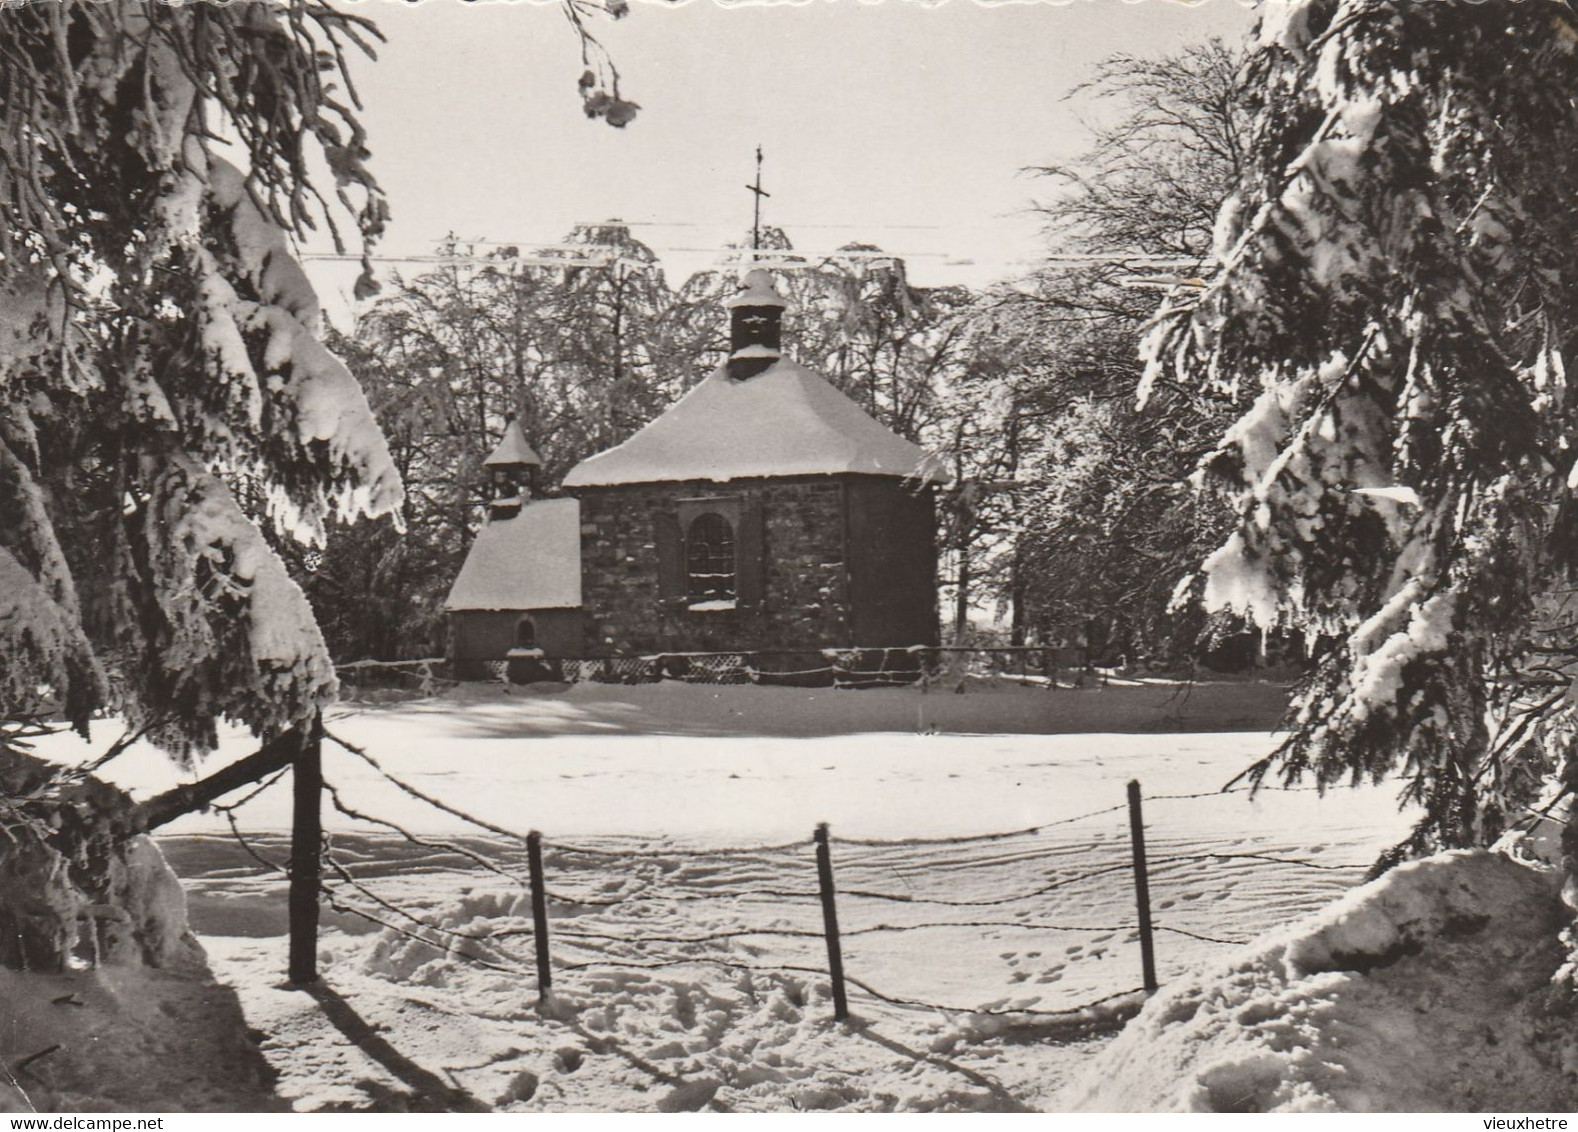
x=709 y=558
x=525 y=634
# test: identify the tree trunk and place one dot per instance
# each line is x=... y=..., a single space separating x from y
x=161 y=809
x=1016 y=595
x=961 y=598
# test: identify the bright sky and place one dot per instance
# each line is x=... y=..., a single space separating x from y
x=897 y=123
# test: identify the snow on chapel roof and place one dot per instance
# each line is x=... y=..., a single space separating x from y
x=512 y=449
x=532 y=561
x=786 y=421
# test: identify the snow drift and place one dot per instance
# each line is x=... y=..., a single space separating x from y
x=109 y=1001
x=1429 y=989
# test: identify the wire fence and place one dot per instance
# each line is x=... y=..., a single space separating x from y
x=572 y=908
x=841 y=667
x=363 y=679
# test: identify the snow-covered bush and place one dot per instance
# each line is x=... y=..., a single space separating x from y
x=76 y=888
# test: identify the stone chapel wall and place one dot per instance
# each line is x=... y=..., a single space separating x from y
x=805 y=602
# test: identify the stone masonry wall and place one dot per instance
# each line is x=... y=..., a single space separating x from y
x=805 y=589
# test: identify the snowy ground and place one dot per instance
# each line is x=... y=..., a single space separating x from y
x=686 y=978
x=128 y=1039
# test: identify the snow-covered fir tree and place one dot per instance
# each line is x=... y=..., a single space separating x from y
x=1395 y=287
x=160 y=359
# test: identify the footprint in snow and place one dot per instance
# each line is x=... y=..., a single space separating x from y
x=522 y=1087
x=691 y=1096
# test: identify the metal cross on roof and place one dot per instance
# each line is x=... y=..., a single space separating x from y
x=756 y=219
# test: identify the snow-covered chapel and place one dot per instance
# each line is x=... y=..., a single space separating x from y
x=763 y=513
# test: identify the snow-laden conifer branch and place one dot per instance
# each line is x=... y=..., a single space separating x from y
x=169 y=406
x=1395 y=280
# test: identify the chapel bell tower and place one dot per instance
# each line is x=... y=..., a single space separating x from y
x=512 y=473
x=755 y=325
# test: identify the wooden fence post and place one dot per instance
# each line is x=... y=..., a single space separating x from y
x=1142 y=886
x=539 y=912
x=306 y=853
x=835 y=952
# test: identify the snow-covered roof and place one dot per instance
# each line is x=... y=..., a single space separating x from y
x=756 y=290
x=786 y=421
x=532 y=561
x=512 y=449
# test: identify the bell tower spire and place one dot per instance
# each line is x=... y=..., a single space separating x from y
x=756 y=309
